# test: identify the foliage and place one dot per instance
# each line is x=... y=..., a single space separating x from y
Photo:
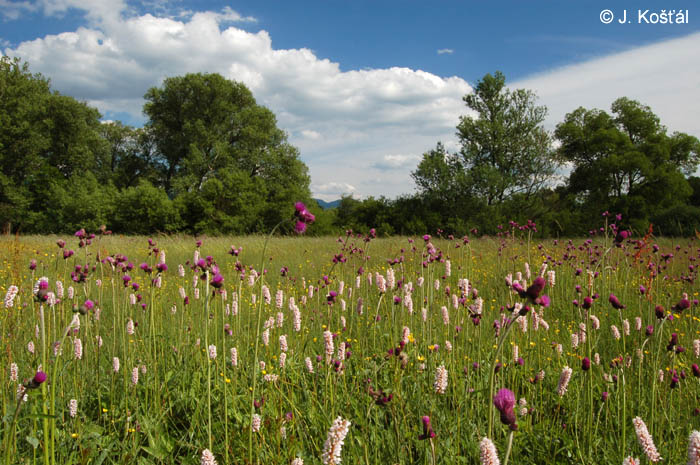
x=626 y=161
x=209 y=159
x=504 y=148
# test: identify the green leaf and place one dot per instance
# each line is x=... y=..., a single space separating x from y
x=33 y=441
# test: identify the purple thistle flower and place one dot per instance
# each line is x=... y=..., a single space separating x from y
x=300 y=227
x=615 y=302
x=683 y=304
x=504 y=401
x=587 y=303
x=428 y=432
x=39 y=378
x=660 y=312
x=586 y=364
x=537 y=286
x=303 y=214
x=217 y=281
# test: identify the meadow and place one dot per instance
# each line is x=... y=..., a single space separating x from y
x=396 y=350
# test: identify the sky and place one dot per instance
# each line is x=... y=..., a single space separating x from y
x=363 y=88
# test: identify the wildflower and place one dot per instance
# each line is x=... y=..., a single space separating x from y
x=645 y=440
x=298 y=461
x=73 y=408
x=428 y=432
x=615 y=332
x=39 y=378
x=586 y=364
x=234 y=356
x=10 y=296
x=13 y=372
x=564 y=380
x=630 y=461
x=440 y=383
x=212 y=352
x=694 y=448
x=303 y=214
x=135 y=376
x=488 y=454
x=217 y=281
x=115 y=364
x=445 y=315
x=332 y=448
x=207 y=458
x=683 y=304
x=255 y=423
x=504 y=401
x=615 y=302
x=328 y=341
x=30 y=347
x=130 y=327
x=309 y=365
x=574 y=340
x=78 y=348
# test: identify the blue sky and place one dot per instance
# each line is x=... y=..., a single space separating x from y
x=363 y=88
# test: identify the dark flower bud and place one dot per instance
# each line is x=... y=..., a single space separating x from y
x=659 y=312
x=586 y=364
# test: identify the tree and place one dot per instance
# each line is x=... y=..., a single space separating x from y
x=45 y=139
x=626 y=161
x=440 y=176
x=205 y=128
x=505 y=150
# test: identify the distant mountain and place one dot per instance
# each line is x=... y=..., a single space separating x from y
x=327 y=205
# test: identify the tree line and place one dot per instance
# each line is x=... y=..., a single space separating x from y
x=209 y=159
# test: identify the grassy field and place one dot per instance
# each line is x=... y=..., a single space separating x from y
x=254 y=356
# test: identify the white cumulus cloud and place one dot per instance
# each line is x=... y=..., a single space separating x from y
x=344 y=122
x=663 y=75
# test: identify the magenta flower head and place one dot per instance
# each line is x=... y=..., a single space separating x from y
x=684 y=304
x=32 y=265
x=660 y=312
x=217 y=281
x=428 y=432
x=300 y=227
x=586 y=364
x=504 y=401
x=39 y=378
x=303 y=214
x=536 y=288
x=621 y=236
x=615 y=302
x=87 y=306
x=587 y=303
